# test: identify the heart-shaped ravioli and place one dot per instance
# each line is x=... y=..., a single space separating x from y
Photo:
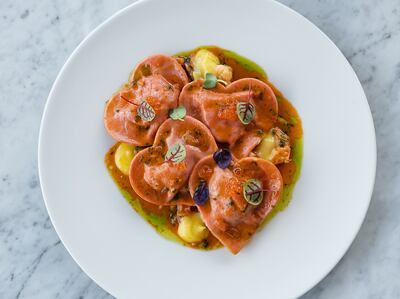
x=134 y=114
x=163 y=65
x=159 y=174
x=240 y=196
x=238 y=114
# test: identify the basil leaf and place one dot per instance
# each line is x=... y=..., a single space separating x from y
x=246 y=112
x=210 y=81
x=253 y=192
x=176 y=153
x=146 y=112
x=178 y=113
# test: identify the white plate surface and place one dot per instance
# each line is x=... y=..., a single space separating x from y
x=119 y=250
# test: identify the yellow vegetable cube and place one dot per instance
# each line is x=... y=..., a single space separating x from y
x=274 y=147
x=123 y=157
x=192 y=228
x=224 y=72
x=204 y=62
x=264 y=149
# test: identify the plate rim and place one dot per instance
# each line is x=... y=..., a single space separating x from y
x=137 y=3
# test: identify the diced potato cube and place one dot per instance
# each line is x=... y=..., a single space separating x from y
x=123 y=157
x=264 y=149
x=192 y=228
x=224 y=72
x=204 y=62
x=274 y=147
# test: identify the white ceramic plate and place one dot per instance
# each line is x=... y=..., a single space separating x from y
x=119 y=250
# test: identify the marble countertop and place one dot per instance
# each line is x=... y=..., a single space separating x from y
x=37 y=37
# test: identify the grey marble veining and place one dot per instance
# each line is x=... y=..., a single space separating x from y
x=36 y=37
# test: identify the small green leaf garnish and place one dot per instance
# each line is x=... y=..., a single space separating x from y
x=145 y=111
x=245 y=111
x=176 y=153
x=178 y=113
x=253 y=192
x=210 y=81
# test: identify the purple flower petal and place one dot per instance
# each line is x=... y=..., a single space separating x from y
x=200 y=195
x=223 y=158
